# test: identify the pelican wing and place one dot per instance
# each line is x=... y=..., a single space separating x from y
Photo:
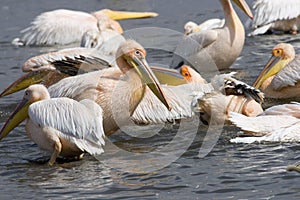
x=292 y=109
x=268 y=11
x=69 y=61
x=191 y=45
x=205 y=38
x=262 y=125
x=151 y=110
x=77 y=121
x=288 y=76
x=50 y=28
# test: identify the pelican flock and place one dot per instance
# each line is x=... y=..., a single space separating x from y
x=76 y=97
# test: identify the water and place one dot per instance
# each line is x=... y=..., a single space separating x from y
x=229 y=171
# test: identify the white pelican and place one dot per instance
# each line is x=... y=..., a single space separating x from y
x=106 y=40
x=223 y=95
x=218 y=47
x=277 y=124
x=275 y=15
x=114 y=89
x=280 y=77
x=192 y=27
x=63 y=126
x=67 y=26
x=51 y=67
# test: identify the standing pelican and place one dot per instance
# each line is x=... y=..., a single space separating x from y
x=192 y=27
x=275 y=15
x=277 y=124
x=67 y=26
x=62 y=126
x=280 y=77
x=223 y=95
x=218 y=47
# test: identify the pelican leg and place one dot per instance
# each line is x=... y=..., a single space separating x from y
x=56 y=152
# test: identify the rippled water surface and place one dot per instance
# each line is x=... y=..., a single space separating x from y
x=229 y=171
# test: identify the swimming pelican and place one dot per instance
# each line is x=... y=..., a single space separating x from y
x=280 y=77
x=63 y=126
x=215 y=48
x=277 y=124
x=192 y=27
x=67 y=26
x=275 y=15
x=223 y=95
x=119 y=90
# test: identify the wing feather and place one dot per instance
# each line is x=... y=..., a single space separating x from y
x=268 y=11
x=288 y=76
x=50 y=28
x=79 y=120
x=262 y=125
x=73 y=59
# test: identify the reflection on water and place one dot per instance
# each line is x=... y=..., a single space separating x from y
x=229 y=171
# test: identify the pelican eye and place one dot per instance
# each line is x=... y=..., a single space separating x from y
x=138 y=54
x=277 y=52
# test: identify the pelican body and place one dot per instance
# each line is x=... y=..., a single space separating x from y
x=222 y=96
x=280 y=77
x=192 y=27
x=217 y=48
x=67 y=26
x=275 y=15
x=61 y=126
x=277 y=124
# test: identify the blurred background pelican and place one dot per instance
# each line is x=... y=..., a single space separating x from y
x=216 y=48
x=64 y=26
x=192 y=27
x=274 y=16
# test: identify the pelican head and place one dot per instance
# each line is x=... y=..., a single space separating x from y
x=282 y=54
x=32 y=94
x=191 y=27
x=190 y=75
x=132 y=55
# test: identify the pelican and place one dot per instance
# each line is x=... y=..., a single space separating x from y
x=275 y=15
x=51 y=67
x=218 y=47
x=223 y=95
x=114 y=89
x=67 y=26
x=277 y=124
x=63 y=126
x=192 y=27
x=280 y=77
x=106 y=40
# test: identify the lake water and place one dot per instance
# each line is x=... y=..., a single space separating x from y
x=228 y=171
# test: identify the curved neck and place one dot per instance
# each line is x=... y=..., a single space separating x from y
x=232 y=20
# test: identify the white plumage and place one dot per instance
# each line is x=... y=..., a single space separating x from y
x=78 y=122
x=277 y=124
x=275 y=15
